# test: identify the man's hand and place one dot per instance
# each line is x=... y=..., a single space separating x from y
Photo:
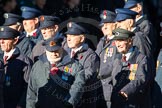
x=124 y=95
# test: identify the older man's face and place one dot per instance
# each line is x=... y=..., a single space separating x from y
x=107 y=28
x=125 y=24
x=54 y=56
x=74 y=41
x=30 y=24
x=137 y=8
x=48 y=32
x=7 y=44
x=123 y=45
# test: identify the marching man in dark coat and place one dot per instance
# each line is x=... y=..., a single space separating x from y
x=80 y=51
x=107 y=51
x=31 y=23
x=49 y=28
x=107 y=25
x=56 y=80
x=130 y=75
x=143 y=23
x=17 y=69
x=126 y=19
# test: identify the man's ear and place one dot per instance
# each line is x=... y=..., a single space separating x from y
x=36 y=20
x=139 y=7
x=16 y=40
x=56 y=28
x=20 y=28
x=131 y=22
x=130 y=41
x=82 y=38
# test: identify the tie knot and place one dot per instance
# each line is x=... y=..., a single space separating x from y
x=5 y=58
x=124 y=58
x=72 y=53
x=53 y=65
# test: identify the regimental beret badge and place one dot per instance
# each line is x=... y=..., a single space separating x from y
x=41 y=18
x=104 y=14
x=52 y=43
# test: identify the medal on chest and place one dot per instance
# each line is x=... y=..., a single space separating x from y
x=108 y=53
x=157 y=64
x=133 y=70
x=66 y=73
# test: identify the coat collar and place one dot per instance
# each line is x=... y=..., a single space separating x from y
x=84 y=48
x=140 y=20
x=134 y=55
x=15 y=54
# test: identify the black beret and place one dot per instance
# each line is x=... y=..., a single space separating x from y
x=52 y=44
x=47 y=21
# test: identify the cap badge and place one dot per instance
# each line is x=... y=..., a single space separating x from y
x=23 y=9
x=41 y=18
x=5 y=15
x=1 y=29
x=104 y=14
x=52 y=43
x=70 y=24
x=117 y=33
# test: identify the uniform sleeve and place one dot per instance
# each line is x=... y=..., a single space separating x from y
x=28 y=49
x=141 y=81
x=91 y=66
x=76 y=89
x=106 y=73
x=37 y=51
x=158 y=77
x=142 y=44
x=27 y=68
x=32 y=90
x=32 y=54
